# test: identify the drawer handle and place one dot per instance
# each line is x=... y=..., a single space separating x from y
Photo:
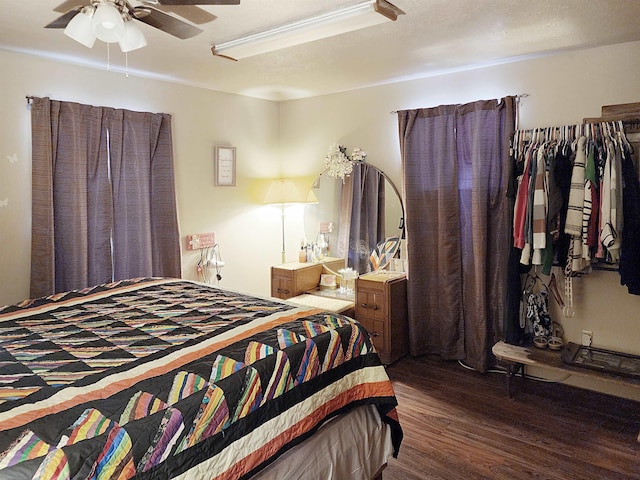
x=282 y=290
x=375 y=334
x=372 y=307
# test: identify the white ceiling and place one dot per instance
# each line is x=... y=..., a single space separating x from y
x=433 y=37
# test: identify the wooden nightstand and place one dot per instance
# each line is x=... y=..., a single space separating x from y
x=381 y=308
x=295 y=278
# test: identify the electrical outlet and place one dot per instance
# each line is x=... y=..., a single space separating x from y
x=587 y=338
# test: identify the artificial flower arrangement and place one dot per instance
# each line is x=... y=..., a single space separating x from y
x=338 y=164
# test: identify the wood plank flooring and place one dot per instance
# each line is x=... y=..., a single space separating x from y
x=461 y=425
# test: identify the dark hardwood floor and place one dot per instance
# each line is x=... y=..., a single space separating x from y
x=461 y=425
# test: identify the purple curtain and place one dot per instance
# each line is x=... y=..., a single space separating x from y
x=455 y=165
x=362 y=216
x=145 y=230
x=80 y=199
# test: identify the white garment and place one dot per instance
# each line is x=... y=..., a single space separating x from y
x=608 y=234
x=573 y=225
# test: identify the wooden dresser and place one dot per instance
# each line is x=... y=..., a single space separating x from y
x=294 y=278
x=381 y=308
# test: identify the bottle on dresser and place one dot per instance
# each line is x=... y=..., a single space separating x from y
x=302 y=253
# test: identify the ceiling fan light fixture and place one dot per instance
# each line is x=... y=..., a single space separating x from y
x=80 y=28
x=348 y=19
x=132 y=38
x=108 y=24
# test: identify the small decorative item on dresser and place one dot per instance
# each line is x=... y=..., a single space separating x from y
x=302 y=253
x=328 y=280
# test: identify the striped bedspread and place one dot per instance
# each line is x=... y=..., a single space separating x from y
x=165 y=378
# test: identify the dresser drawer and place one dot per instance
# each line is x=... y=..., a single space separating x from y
x=371 y=300
x=282 y=287
x=381 y=308
x=295 y=278
x=376 y=330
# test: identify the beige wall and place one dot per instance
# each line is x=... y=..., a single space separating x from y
x=201 y=120
x=562 y=89
x=291 y=139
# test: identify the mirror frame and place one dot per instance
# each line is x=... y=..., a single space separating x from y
x=334 y=206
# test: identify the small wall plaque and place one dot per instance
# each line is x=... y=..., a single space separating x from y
x=225 y=163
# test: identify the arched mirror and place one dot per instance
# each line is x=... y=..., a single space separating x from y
x=353 y=216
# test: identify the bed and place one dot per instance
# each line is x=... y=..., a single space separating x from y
x=158 y=378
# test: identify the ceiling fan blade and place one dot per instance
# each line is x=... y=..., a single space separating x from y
x=70 y=5
x=63 y=21
x=199 y=2
x=192 y=13
x=166 y=23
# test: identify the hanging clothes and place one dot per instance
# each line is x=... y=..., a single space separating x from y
x=577 y=200
x=573 y=225
x=630 y=244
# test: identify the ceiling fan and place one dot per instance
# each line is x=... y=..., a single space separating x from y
x=145 y=13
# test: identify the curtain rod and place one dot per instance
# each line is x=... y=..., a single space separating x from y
x=518 y=97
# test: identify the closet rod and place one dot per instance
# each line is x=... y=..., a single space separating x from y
x=518 y=97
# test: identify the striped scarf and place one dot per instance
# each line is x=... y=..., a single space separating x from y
x=573 y=225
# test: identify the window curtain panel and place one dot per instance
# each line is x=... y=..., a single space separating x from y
x=81 y=204
x=362 y=215
x=456 y=171
x=146 y=241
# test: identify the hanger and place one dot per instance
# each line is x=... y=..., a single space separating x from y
x=555 y=292
x=532 y=280
x=623 y=137
x=529 y=283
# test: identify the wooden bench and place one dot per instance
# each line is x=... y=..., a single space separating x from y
x=516 y=358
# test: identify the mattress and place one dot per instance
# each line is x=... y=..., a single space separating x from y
x=355 y=446
x=165 y=378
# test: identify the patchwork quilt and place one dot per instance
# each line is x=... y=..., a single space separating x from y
x=159 y=378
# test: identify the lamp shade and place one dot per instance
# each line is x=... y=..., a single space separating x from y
x=132 y=39
x=80 y=28
x=108 y=24
x=283 y=190
x=311 y=198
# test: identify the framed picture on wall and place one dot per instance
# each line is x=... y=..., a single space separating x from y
x=225 y=163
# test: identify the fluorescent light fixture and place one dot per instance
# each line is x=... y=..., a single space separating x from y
x=348 y=19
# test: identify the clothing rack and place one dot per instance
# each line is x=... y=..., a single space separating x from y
x=569 y=133
x=600 y=152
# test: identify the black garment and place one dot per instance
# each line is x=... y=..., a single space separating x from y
x=513 y=333
x=630 y=249
x=563 y=169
